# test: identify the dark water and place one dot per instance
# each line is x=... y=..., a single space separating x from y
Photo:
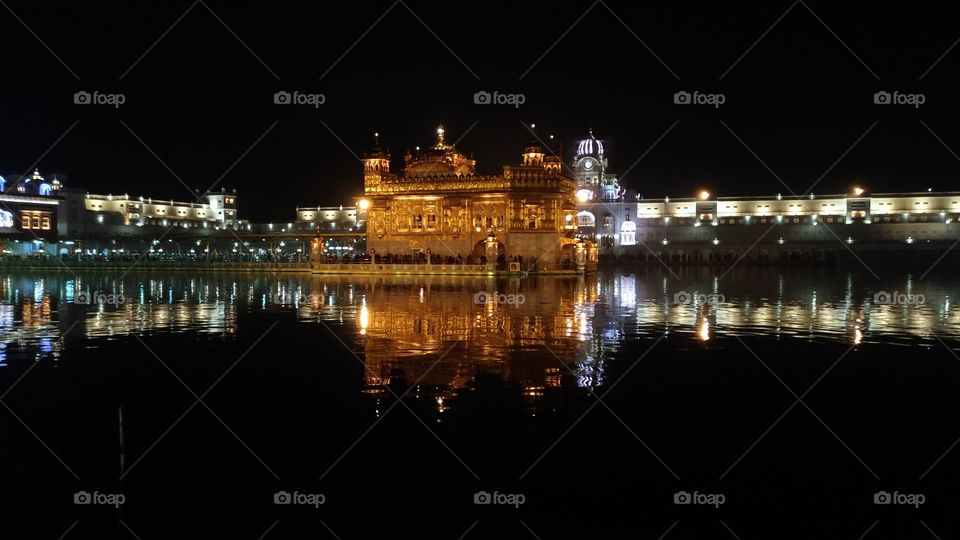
x=596 y=399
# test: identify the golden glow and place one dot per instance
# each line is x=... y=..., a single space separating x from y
x=364 y=204
x=704 y=331
x=583 y=195
x=704 y=195
x=858 y=191
x=364 y=320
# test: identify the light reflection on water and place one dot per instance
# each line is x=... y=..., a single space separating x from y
x=398 y=321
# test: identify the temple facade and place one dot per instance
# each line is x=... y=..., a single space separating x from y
x=438 y=205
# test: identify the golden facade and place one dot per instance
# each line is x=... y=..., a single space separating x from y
x=438 y=205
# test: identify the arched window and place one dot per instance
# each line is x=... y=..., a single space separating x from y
x=45 y=189
x=586 y=219
x=628 y=233
x=3 y=184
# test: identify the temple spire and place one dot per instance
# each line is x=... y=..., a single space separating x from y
x=440 y=140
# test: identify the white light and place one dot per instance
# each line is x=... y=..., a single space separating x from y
x=716 y=241
x=909 y=239
x=665 y=241
x=780 y=240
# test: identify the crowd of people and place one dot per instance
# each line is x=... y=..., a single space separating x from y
x=528 y=264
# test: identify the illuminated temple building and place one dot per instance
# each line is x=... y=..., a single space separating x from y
x=554 y=208
x=438 y=204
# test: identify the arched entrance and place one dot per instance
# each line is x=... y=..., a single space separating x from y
x=480 y=250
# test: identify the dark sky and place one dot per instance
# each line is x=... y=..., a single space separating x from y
x=199 y=98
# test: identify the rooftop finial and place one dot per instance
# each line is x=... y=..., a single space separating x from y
x=440 y=132
x=376 y=138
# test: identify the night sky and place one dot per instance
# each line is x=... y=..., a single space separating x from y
x=200 y=99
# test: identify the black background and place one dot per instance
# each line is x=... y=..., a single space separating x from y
x=199 y=99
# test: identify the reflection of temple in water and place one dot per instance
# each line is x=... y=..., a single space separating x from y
x=445 y=332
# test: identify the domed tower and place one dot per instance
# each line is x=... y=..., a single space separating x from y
x=533 y=154
x=552 y=161
x=590 y=171
x=376 y=164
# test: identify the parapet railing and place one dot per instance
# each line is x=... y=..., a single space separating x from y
x=29 y=263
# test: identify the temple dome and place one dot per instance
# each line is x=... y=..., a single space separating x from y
x=591 y=146
x=440 y=160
